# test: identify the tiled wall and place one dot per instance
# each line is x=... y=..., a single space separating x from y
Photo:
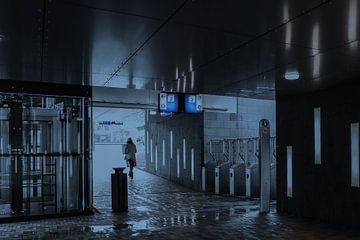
x=251 y=111
x=244 y=124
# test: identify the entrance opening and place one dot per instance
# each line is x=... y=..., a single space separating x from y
x=111 y=129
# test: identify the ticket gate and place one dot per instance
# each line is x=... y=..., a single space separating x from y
x=252 y=181
x=222 y=178
x=208 y=178
x=248 y=182
x=243 y=159
x=237 y=180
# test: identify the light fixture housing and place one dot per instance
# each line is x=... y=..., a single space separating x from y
x=292 y=75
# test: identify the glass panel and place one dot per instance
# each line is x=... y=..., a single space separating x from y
x=5 y=193
x=42 y=147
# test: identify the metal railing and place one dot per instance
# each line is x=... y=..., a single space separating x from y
x=238 y=150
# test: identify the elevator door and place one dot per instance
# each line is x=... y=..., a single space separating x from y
x=39 y=167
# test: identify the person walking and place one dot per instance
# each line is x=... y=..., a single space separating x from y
x=130 y=158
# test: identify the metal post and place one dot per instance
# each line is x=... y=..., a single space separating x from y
x=15 y=139
x=265 y=161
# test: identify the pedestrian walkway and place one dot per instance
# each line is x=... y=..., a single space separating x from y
x=159 y=209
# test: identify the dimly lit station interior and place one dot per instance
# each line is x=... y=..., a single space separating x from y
x=179 y=119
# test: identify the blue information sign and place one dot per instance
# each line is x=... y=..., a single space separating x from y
x=169 y=102
x=193 y=103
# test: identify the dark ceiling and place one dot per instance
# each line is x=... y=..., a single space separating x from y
x=227 y=47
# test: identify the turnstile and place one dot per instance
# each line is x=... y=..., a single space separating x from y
x=208 y=177
x=237 y=186
x=222 y=179
x=243 y=155
x=252 y=181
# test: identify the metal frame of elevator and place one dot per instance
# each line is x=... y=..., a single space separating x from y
x=38 y=179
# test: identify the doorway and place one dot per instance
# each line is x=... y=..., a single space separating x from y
x=111 y=129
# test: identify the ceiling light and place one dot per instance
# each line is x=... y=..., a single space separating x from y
x=292 y=76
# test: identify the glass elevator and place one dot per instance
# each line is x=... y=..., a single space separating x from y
x=45 y=160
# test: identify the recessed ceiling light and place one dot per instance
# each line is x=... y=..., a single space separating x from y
x=291 y=76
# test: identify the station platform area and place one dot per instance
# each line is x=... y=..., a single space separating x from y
x=159 y=209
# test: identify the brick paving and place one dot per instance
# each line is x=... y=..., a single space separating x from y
x=159 y=209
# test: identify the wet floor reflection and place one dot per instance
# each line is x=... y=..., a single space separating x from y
x=159 y=209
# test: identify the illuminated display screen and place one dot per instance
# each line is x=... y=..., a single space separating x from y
x=169 y=102
x=193 y=103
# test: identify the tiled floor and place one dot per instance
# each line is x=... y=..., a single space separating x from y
x=159 y=209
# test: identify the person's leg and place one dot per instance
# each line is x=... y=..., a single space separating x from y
x=131 y=173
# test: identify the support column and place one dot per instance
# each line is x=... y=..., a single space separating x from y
x=15 y=140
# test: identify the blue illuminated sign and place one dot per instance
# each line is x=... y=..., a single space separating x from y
x=193 y=103
x=169 y=102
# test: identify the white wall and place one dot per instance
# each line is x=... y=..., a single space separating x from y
x=251 y=111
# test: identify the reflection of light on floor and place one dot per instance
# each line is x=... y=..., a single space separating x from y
x=193 y=219
x=102 y=229
x=139 y=225
x=143 y=209
x=217 y=216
